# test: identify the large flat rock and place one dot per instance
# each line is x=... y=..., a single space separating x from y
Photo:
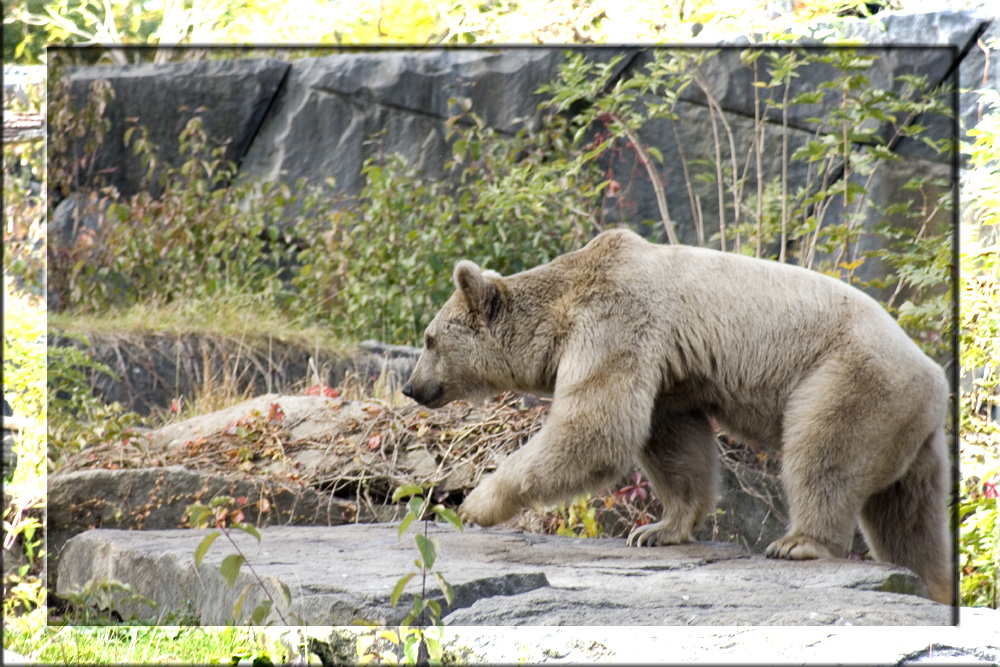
x=340 y=574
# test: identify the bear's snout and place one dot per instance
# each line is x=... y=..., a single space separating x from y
x=425 y=395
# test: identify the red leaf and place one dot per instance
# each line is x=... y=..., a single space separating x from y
x=375 y=441
x=275 y=414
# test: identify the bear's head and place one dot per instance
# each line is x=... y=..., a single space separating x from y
x=462 y=357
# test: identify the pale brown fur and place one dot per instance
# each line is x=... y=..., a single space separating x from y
x=642 y=344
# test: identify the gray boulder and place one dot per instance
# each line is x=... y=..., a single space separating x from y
x=76 y=214
x=340 y=574
x=156 y=498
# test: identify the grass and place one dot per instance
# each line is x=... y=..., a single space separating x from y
x=235 y=314
x=238 y=316
x=146 y=645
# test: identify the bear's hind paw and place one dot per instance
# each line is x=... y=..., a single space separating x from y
x=661 y=533
x=798 y=547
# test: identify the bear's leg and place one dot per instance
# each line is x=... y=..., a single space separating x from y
x=907 y=523
x=681 y=460
x=836 y=449
x=589 y=440
x=825 y=490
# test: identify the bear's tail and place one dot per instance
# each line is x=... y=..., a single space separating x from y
x=907 y=523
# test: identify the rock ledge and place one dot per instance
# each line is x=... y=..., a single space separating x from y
x=339 y=574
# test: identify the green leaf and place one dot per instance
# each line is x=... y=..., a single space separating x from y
x=199 y=552
x=434 y=649
x=407 y=490
x=428 y=549
x=260 y=612
x=286 y=592
x=410 y=648
x=230 y=568
x=407 y=520
x=238 y=607
x=416 y=506
x=398 y=588
x=446 y=588
x=448 y=515
x=655 y=152
x=219 y=500
x=247 y=528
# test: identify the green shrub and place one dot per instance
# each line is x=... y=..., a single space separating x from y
x=979 y=544
x=385 y=267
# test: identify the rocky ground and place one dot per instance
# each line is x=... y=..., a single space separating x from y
x=525 y=599
x=340 y=574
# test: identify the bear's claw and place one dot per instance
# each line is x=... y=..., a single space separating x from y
x=798 y=547
x=660 y=533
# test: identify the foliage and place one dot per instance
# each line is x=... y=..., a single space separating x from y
x=95 y=602
x=578 y=519
x=137 y=644
x=29 y=25
x=77 y=418
x=979 y=544
x=631 y=21
x=385 y=266
x=979 y=554
x=377 y=268
x=23 y=204
x=418 y=645
x=225 y=514
x=612 y=514
x=207 y=241
x=850 y=148
x=24 y=491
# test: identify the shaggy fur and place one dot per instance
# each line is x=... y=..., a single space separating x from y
x=642 y=344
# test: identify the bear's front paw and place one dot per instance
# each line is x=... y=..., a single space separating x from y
x=662 y=533
x=485 y=506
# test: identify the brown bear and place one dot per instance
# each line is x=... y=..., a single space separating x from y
x=642 y=345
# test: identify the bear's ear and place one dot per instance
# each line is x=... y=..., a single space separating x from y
x=478 y=287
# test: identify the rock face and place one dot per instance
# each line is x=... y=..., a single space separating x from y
x=340 y=574
x=156 y=367
x=231 y=96
x=156 y=498
x=330 y=107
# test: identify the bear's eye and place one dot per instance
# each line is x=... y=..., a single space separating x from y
x=428 y=342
